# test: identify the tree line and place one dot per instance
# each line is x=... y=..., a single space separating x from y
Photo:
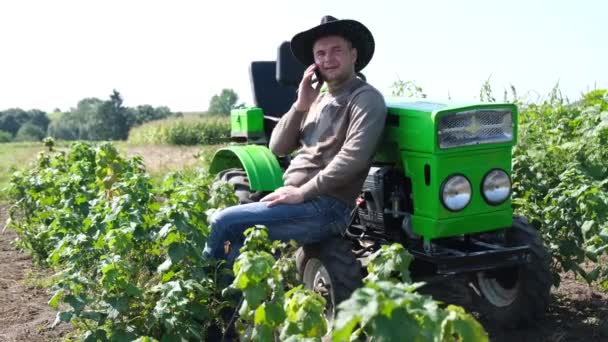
x=96 y=119
x=92 y=119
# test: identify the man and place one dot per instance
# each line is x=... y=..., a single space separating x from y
x=337 y=132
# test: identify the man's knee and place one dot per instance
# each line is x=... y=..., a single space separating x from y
x=221 y=220
x=213 y=220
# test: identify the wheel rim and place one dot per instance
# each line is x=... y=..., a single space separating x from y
x=317 y=278
x=501 y=291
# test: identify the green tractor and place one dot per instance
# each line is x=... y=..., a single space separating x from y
x=440 y=185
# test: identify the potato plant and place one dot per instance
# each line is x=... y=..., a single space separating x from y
x=130 y=266
x=560 y=173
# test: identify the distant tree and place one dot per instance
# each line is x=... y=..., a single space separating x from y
x=95 y=119
x=39 y=118
x=110 y=121
x=77 y=123
x=11 y=120
x=64 y=129
x=5 y=136
x=223 y=103
x=144 y=113
x=30 y=132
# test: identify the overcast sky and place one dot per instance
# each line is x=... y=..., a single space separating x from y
x=180 y=53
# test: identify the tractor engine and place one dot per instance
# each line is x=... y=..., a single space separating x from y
x=385 y=202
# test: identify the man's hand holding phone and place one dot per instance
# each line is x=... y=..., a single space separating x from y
x=306 y=93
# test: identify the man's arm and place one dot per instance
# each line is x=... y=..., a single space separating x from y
x=367 y=119
x=285 y=135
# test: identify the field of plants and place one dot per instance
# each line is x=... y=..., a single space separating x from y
x=187 y=130
x=560 y=176
x=128 y=261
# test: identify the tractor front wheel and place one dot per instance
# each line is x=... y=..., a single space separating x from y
x=515 y=296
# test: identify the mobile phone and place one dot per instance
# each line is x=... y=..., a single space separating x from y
x=318 y=76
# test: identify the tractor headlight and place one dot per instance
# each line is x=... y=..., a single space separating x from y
x=456 y=192
x=474 y=127
x=496 y=187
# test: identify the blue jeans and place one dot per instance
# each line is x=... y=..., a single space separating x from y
x=307 y=222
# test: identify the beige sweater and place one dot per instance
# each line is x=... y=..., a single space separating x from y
x=338 y=137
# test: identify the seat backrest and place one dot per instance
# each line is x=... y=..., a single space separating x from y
x=289 y=69
x=274 y=84
x=268 y=94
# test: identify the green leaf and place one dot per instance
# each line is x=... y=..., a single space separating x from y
x=593 y=275
x=464 y=325
x=54 y=301
x=255 y=295
x=260 y=315
x=76 y=303
x=62 y=316
x=98 y=336
x=388 y=263
x=121 y=335
x=275 y=314
x=177 y=251
x=262 y=333
x=93 y=315
x=401 y=326
x=587 y=226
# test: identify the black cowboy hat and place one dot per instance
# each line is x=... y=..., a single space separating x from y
x=354 y=31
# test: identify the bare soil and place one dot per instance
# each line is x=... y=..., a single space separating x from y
x=24 y=312
x=578 y=312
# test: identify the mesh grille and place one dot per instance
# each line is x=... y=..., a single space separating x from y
x=475 y=127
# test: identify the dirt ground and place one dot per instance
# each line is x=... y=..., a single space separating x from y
x=24 y=312
x=577 y=313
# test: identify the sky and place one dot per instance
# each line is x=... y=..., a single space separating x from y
x=180 y=53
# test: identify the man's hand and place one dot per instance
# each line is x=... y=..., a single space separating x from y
x=287 y=194
x=306 y=93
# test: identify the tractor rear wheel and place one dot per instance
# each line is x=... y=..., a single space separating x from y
x=331 y=269
x=515 y=296
x=242 y=189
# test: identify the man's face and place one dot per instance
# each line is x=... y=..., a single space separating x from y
x=335 y=57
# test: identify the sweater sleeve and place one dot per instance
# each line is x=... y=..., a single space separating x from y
x=367 y=119
x=285 y=135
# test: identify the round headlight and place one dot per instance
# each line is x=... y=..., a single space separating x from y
x=456 y=192
x=496 y=187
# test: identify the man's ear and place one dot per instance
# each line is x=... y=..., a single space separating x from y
x=355 y=55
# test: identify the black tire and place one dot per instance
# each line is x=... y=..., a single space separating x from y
x=516 y=296
x=242 y=190
x=331 y=259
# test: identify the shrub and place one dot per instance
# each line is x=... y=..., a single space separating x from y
x=561 y=179
x=5 y=137
x=30 y=132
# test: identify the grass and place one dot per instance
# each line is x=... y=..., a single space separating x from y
x=14 y=156
x=162 y=159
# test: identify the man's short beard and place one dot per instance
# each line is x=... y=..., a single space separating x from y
x=342 y=78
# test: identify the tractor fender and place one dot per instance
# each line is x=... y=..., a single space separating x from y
x=261 y=166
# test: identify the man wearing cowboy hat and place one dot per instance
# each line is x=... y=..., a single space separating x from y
x=337 y=133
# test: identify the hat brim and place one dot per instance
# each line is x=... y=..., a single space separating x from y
x=361 y=38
